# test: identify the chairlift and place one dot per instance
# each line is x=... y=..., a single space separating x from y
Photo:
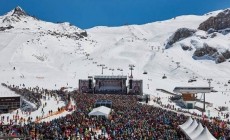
x=164 y=77
x=214 y=90
x=194 y=79
x=145 y=72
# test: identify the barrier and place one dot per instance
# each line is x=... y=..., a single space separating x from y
x=51 y=114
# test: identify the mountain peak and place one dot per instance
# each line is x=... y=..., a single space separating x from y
x=15 y=15
x=19 y=11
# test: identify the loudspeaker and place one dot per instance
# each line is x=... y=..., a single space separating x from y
x=130 y=84
x=99 y=84
x=90 y=83
x=68 y=97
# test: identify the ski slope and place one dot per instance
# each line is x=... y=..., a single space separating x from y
x=46 y=54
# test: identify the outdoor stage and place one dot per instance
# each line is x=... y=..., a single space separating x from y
x=110 y=84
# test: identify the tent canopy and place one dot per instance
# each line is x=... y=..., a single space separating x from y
x=196 y=131
x=100 y=111
x=205 y=135
x=191 y=127
x=186 y=124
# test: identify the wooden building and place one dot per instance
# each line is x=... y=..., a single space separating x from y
x=189 y=94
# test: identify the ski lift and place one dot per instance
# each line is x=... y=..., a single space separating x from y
x=164 y=77
x=145 y=72
x=194 y=79
x=214 y=90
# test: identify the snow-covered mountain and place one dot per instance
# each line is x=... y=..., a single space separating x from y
x=36 y=52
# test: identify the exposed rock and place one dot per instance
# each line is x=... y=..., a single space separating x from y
x=226 y=54
x=6 y=28
x=211 y=30
x=10 y=19
x=19 y=12
x=220 y=59
x=213 y=35
x=74 y=35
x=185 y=47
x=180 y=34
x=203 y=37
x=205 y=50
x=219 y=22
x=84 y=34
x=225 y=31
x=17 y=15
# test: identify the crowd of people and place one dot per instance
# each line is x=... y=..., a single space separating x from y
x=31 y=94
x=129 y=119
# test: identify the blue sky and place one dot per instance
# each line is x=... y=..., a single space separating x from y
x=89 y=13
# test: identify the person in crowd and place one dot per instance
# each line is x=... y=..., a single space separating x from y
x=128 y=119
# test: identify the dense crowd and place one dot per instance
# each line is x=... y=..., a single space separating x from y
x=129 y=119
x=35 y=94
x=31 y=94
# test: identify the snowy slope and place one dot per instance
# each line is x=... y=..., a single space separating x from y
x=46 y=54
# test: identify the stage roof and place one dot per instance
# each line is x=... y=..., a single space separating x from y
x=110 y=77
x=192 y=90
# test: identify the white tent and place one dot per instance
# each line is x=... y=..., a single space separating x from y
x=205 y=135
x=192 y=126
x=186 y=124
x=196 y=131
x=100 y=111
